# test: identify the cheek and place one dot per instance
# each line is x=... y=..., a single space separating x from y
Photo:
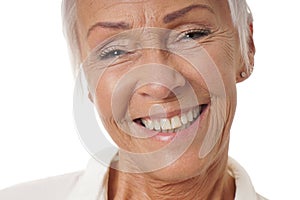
x=224 y=57
x=103 y=95
x=103 y=101
x=112 y=95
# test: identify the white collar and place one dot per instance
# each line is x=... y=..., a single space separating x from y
x=92 y=185
x=244 y=187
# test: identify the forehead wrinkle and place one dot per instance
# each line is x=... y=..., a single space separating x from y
x=118 y=1
x=179 y=13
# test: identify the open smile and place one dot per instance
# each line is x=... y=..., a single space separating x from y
x=172 y=124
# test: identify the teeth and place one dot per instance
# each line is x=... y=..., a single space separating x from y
x=184 y=119
x=175 y=121
x=156 y=125
x=195 y=113
x=145 y=122
x=190 y=116
x=148 y=124
x=174 y=124
x=165 y=124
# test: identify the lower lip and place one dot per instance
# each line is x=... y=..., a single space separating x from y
x=168 y=137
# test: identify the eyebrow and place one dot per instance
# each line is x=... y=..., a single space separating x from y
x=111 y=25
x=179 y=13
x=167 y=19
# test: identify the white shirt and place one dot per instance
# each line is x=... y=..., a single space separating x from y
x=92 y=183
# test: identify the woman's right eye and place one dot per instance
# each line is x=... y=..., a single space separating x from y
x=111 y=53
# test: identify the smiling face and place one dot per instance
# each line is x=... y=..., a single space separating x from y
x=162 y=76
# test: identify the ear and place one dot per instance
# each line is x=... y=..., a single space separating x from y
x=252 y=50
x=245 y=71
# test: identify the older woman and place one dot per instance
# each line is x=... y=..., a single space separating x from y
x=162 y=76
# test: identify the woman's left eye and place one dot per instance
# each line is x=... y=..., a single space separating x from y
x=194 y=34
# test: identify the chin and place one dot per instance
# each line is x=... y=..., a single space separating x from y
x=189 y=165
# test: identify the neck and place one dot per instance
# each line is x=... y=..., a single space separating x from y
x=215 y=183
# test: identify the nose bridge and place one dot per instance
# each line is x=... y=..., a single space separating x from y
x=152 y=38
x=160 y=78
x=166 y=75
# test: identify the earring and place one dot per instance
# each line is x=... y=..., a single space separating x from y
x=243 y=74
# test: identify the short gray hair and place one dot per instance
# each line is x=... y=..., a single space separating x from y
x=240 y=14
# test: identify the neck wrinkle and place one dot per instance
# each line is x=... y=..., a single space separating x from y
x=214 y=184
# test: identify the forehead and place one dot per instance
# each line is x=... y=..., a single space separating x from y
x=142 y=12
x=105 y=4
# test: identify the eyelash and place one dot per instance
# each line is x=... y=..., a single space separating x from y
x=110 y=52
x=203 y=32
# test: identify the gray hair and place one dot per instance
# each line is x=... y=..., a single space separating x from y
x=240 y=14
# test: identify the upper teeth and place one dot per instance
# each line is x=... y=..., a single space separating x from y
x=175 y=123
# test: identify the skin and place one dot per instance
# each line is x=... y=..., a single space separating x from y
x=205 y=178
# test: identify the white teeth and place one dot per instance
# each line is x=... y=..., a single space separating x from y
x=174 y=124
x=195 y=113
x=150 y=124
x=184 y=119
x=145 y=122
x=156 y=125
x=175 y=121
x=190 y=116
x=165 y=124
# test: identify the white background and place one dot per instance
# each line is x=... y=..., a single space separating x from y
x=37 y=133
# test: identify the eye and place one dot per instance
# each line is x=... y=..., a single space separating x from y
x=194 y=34
x=111 y=52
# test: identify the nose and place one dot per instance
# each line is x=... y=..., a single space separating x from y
x=162 y=84
x=161 y=80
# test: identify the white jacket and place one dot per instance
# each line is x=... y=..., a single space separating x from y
x=91 y=184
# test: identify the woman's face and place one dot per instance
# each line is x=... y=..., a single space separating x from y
x=162 y=76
